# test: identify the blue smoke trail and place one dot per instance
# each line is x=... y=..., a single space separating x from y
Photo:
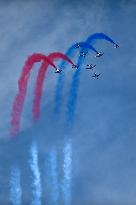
x=67 y=170
x=54 y=176
x=71 y=106
x=58 y=94
x=72 y=100
x=36 y=184
x=60 y=81
x=15 y=186
x=96 y=36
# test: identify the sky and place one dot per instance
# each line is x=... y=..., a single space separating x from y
x=94 y=161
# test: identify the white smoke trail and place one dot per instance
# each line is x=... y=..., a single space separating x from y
x=15 y=186
x=67 y=169
x=54 y=176
x=36 y=184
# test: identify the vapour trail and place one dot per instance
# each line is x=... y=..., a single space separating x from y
x=15 y=186
x=54 y=176
x=60 y=83
x=100 y=36
x=67 y=171
x=22 y=89
x=40 y=80
x=36 y=180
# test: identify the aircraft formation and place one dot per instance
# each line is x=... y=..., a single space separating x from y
x=47 y=61
x=88 y=66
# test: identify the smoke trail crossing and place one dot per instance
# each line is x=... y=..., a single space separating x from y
x=22 y=89
x=40 y=80
x=85 y=46
x=15 y=186
x=67 y=170
x=36 y=183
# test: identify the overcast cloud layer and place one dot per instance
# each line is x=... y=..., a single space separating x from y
x=95 y=163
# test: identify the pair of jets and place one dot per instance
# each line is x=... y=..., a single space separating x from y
x=83 y=54
x=59 y=70
x=78 y=45
x=90 y=67
x=99 y=54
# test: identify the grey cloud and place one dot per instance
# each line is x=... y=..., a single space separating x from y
x=103 y=136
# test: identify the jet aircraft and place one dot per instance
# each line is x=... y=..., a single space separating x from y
x=96 y=76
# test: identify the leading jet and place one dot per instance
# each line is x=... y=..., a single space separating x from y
x=58 y=70
x=96 y=76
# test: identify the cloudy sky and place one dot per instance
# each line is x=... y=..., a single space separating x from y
x=95 y=161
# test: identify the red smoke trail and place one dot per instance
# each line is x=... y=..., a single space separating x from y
x=22 y=88
x=40 y=80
